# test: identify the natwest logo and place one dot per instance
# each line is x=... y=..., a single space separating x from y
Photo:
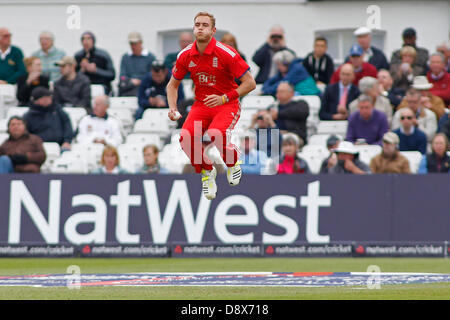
x=236 y=219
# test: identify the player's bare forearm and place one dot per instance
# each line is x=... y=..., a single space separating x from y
x=172 y=93
x=247 y=85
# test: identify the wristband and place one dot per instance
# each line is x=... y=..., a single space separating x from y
x=232 y=95
x=224 y=99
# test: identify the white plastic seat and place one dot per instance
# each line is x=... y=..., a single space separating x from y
x=367 y=152
x=187 y=88
x=16 y=111
x=257 y=102
x=91 y=153
x=143 y=139
x=414 y=158
x=3 y=137
x=97 y=90
x=320 y=139
x=338 y=127
x=131 y=156
x=75 y=114
x=52 y=151
x=151 y=126
x=320 y=150
x=313 y=159
x=3 y=125
x=7 y=98
x=124 y=115
x=124 y=102
x=69 y=162
x=314 y=107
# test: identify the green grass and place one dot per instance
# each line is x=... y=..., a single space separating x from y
x=53 y=266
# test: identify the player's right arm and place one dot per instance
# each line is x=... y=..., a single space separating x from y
x=172 y=97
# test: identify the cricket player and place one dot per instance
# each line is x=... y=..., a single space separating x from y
x=214 y=67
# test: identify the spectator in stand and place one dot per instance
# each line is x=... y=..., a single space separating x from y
x=290 y=162
x=290 y=115
x=185 y=39
x=362 y=69
x=253 y=160
x=230 y=39
x=11 y=59
x=318 y=63
x=445 y=51
x=371 y=87
x=151 y=163
x=390 y=160
x=110 y=162
x=332 y=143
x=438 y=160
x=30 y=80
x=444 y=125
x=99 y=127
x=152 y=91
x=372 y=55
x=409 y=39
x=21 y=152
x=404 y=72
x=337 y=96
x=95 y=63
x=49 y=54
x=48 y=120
x=367 y=125
x=73 y=89
x=425 y=118
x=411 y=137
x=347 y=160
x=429 y=100
x=268 y=136
x=290 y=70
x=439 y=77
x=263 y=57
x=134 y=66
x=395 y=95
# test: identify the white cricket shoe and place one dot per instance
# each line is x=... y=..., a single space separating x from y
x=234 y=174
x=209 y=186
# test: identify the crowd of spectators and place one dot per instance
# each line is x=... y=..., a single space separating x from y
x=400 y=104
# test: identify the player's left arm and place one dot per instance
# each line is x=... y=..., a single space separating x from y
x=247 y=84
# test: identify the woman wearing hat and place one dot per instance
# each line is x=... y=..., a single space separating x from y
x=347 y=160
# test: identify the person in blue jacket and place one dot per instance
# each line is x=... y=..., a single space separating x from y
x=290 y=69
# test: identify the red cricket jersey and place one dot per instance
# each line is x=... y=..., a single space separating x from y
x=213 y=72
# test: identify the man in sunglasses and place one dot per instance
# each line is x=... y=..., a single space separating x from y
x=263 y=56
x=411 y=138
x=11 y=59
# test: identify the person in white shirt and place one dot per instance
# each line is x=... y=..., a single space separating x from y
x=99 y=127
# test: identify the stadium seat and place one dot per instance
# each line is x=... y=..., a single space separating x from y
x=414 y=158
x=320 y=150
x=187 y=88
x=320 y=139
x=367 y=152
x=70 y=162
x=91 y=153
x=173 y=158
x=257 y=102
x=3 y=137
x=75 y=115
x=143 y=139
x=52 y=151
x=97 y=90
x=7 y=98
x=151 y=126
x=131 y=156
x=313 y=159
x=124 y=102
x=332 y=127
x=16 y=111
x=125 y=116
x=257 y=91
x=314 y=107
x=3 y=125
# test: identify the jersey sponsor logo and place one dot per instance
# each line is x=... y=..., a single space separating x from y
x=206 y=79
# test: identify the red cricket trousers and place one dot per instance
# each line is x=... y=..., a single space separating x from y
x=218 y=122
